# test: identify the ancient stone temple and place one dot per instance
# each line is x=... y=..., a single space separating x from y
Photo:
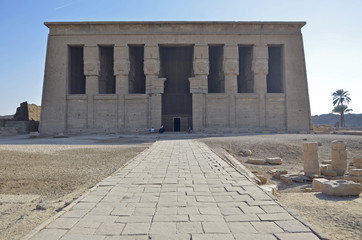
x=211 y=76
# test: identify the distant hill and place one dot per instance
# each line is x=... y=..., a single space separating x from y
x=351 y=120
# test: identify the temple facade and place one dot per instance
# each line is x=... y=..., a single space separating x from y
x=125 y=77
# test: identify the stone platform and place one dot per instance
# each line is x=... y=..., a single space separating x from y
x=176 y=189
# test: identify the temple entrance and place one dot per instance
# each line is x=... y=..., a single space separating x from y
x=176 y=67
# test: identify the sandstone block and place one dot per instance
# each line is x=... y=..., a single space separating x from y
x=355 y=172
x=277 y=172
x=245 y=152
x=263 y=179
x=341 y=188
x=286 y=178
x=339 y=155
x=317 y=184
x=274 y=161
x=301 y=179
x=256 y=161
x=357 y=179
x=329 y=173
x=357 y=162
x=272 y=188
x=310 y=146
x=338 y=145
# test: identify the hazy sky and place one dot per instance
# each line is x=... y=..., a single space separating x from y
x=332 y=38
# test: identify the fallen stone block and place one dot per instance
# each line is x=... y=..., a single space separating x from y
x=60 y=135
x=245 y=152
x=355 y=172
x=256 y=161
x=357 y=179
x=262 y=179
x=357 y=162
x=308 y=190
x=270 y=188
x=274 y=161
x=317 y=184
x=341 y=188
x=277 y=172
x=286 y=178
x=301 y=179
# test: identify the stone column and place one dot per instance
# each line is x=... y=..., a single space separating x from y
x=231 y=71
x=260 y=71
x=198 y=86
x=154 y=85
x=91 y=72
x=310 y=159
x=339 y=157
x=121 y=71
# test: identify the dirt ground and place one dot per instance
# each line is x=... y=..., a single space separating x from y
x=50 y=173
x=36 y=181
x=335 y=217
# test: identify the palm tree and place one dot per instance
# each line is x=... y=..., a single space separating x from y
x=341 y=109
x=340 y=96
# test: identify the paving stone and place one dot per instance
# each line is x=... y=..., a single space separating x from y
x=275 y=216
x=259 y=236
x=189 y=227
x=163 y=228
x=144 y=211
x=50 y=234
x=82 y=236
x=170 y=236
x=296 y=236
x=215 y=227
x=210 y=210
x=266 y=227
x=136 y=228
x=212 y=237
x=63 y=223
x=273 y=209
x=135 y=237
x=292 y=226
x=241 y=227
x=242 y=218
x=110 y=229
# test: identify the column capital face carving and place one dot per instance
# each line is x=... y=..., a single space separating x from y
x=91 y=67
x=201 y=66
x=151 y=67
x=121 y=67
x=231 y=67
x=260 y=66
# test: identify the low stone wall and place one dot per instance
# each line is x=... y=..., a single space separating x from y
x=22 y=127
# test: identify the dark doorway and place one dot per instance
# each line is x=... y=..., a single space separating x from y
x=176 y=124
x=176 y=67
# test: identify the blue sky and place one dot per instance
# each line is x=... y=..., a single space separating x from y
x=332 y=38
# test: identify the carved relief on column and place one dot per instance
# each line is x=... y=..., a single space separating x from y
x=260 y=71
x=151 y=68
x=260 y=68
x=231 y=68
x=198 y=83
x=121 y=68
x=91 y=61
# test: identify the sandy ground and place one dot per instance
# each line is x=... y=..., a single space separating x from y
x=50 y=173
x=51 y=176
x=335 y=217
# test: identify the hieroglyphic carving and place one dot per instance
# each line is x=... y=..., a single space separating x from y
x=121 y=67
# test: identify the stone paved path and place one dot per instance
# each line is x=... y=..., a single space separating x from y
x=180 y=190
